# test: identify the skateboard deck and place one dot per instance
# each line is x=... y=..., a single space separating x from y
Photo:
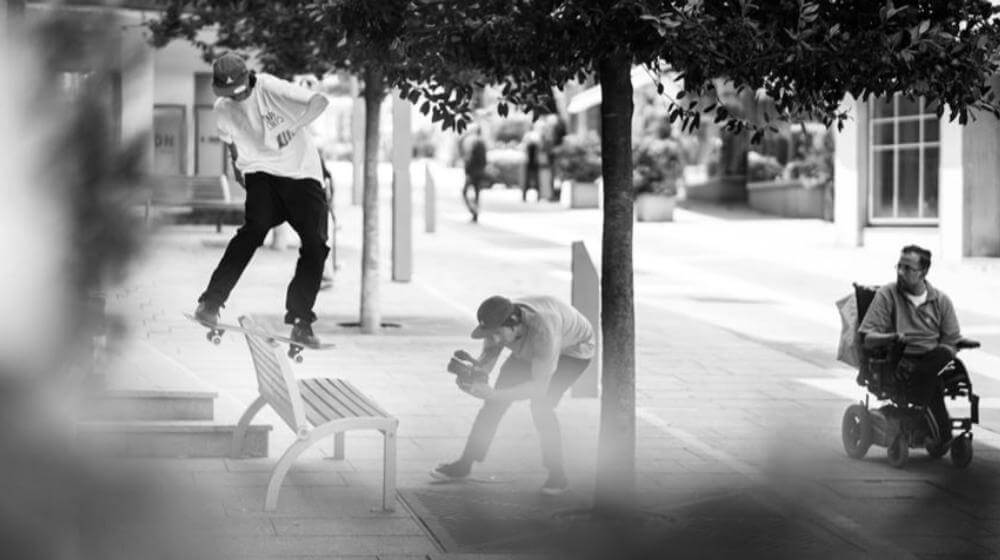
x=295 y=348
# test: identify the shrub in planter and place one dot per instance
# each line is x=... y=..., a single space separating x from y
x=814 y=168
x=762 y=168
x=578 y=158
x=511 y=130
x=658 y=165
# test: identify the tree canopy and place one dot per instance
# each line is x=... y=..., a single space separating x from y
x=806 y=56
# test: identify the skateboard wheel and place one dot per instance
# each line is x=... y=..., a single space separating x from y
x=216 y=340
x=298 y=359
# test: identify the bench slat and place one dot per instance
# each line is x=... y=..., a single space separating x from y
x=270 y=382
x=341 y=400
x=345 y=397
x=358 y=397
x=318 y=412
x=329 y=403
x=275 y=381
x=276 y=397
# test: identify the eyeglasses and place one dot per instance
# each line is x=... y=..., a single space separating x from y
x=905 y=268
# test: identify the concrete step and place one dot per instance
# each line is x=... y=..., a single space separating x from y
x=125 y=405
x=167 y=439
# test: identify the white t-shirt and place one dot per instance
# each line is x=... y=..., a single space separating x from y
x=917 y=301
x=255 y=123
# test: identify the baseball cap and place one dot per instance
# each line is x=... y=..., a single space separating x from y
x=491 y=314
x=229 y=75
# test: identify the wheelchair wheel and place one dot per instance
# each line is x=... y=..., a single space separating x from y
x=899 y=451
x=961 y=451
x=856 y=431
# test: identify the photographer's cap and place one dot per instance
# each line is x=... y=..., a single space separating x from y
x=491 y=315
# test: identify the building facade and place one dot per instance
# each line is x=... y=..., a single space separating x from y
x=903 y=176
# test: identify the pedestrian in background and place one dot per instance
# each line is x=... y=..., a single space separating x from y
x=475 y=172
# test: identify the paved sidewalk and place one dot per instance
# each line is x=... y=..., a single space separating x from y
x=737 y=455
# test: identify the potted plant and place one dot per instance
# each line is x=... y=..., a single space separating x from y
x=656 y=174
x=578 y=161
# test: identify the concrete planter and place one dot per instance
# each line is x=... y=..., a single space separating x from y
x=651 y=207
x=786 y=198
x=730 y=188
x=584 y=194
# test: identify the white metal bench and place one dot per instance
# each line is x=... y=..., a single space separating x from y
x=314 y=409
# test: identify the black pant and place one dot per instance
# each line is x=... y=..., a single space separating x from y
x=475 y=181
x=271 y=201
x=926 y=388
x=531 y=181
x=515 y=371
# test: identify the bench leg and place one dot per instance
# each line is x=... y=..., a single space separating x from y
x=236 y=447
x=338 y=446
x=389 y=471
x=281 y=469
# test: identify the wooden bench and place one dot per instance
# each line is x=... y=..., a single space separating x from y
x=314 y=409
x=207 y=193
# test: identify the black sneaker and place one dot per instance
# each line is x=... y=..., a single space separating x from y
x=555 y=485
x=207 y=313
x=458 y=470
x=302 y=333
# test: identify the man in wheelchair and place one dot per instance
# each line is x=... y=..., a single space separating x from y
x=914 y=322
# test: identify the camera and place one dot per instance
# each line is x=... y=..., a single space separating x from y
x=466 y=368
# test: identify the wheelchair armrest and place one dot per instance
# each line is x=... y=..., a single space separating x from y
x=967 y=344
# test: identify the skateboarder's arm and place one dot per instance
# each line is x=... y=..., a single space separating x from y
x=234 y=155
x=317 y=104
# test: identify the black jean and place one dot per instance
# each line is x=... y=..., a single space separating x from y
x=271 y=201
x=515 y=371
x=925 y=386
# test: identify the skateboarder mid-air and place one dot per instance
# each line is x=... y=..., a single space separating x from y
x=261 y=120
x=551 y=344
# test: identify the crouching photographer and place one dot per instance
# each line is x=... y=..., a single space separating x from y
x=551 y=344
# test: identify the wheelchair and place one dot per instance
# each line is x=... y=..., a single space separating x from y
x=900 y=424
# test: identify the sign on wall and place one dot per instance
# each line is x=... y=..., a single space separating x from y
x=168 y=139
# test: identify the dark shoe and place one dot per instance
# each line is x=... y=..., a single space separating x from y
x=458 y=470
x=302 y=333
x=207 y=313
x=555 y=485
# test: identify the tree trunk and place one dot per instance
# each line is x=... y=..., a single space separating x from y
x=371 y=312
x=615 y=487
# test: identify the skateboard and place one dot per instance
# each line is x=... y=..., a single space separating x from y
x=295 y=348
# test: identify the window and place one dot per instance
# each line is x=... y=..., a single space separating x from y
x=905 y=153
